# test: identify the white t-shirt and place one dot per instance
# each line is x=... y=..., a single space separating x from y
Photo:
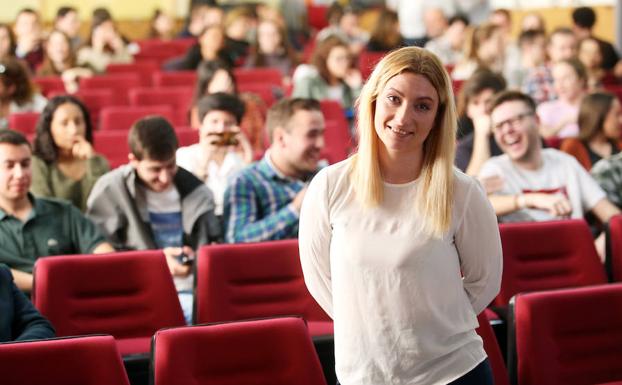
x=560 y=174
x=164 y=210
x=218 y=176
x=402 y=312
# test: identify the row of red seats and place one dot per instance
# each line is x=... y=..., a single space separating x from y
x=115 y=121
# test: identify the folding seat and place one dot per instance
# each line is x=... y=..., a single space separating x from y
x=265 y=75
x=547 y=255
x=48 y=84
x=338 y=141
x=368 y=61
x=118 y=83
x=614 y=248
x=89 y=360
x=269 y=93
x=96 y=99
x=250 y=280
x=24 y=122
x=179 y=98
x=112 y=145
x=144 y=69
x=186 y=136
x=175 y=79
x=129 y=295
x=122 y=117
x=275 y=351
x=316 y=16
x=569 y=336
x=493 y=351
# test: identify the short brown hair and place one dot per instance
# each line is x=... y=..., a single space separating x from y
x=281 y=112
x=13 y=137
x=511 y=96
x=153 y=137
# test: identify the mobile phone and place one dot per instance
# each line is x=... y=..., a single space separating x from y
x=184 y=259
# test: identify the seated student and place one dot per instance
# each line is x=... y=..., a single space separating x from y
x=17 y=91
x=536 y=184
x=223 y=150
x=29 y=37
x=19 y=320
x=263 y=201
x=64 y=163
x=150 y=203
x=35 y=227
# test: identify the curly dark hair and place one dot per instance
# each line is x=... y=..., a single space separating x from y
x=12 y=41
x=44 y=146
x=14 y=73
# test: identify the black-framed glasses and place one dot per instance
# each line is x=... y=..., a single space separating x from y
x=511 y=121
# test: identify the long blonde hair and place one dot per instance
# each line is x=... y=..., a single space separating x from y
x=434 y=199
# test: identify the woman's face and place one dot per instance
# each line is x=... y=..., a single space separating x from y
x=221 y=82
x=268 y=37
x=57 y=47
x=589 y=54
x=5 y=42
x=613 y=121
x=490 y=49
x=338 y=61
x=566 y=81
x=211 y=42
x=478 y=104
x=405 y=113
x=68 y=126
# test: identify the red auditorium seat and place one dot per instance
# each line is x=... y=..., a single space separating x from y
x=179 y=98
x=614 y=248
x=129 y=295
x=368 y=61
x=92 y=360
x=175 y=79
x=118 y=83
x=250 y=280
x=112 y=145
x=258 y=76
x=160 y=51
x=337 y=135
x=569 y=336
x=186 y=136
x=493 y=351
x=49 y=84
x=267 y=92
x=24 y=122
x=316 y=16
x=275 y=351
x=547 y=255
x=144 y=70
x=122 y=117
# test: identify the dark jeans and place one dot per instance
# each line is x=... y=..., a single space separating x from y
x=480 y=375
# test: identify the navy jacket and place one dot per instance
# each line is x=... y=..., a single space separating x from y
x=19 y=320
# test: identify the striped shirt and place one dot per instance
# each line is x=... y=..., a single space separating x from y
x=258 y=204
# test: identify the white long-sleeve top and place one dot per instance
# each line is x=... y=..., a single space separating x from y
x=402 y=312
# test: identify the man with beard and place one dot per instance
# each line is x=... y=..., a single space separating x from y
x=263 y=201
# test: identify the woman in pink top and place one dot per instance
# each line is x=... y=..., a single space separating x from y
x=558 y=118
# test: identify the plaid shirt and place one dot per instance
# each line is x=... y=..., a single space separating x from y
x=257 y=204
x=539 y=84
x=608 y=174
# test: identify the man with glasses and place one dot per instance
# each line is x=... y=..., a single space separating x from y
x=536 y=184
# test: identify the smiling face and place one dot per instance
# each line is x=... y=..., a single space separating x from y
x=515 y=127
x=566 y=81
x=57 y=47
x=406 y=110
x=15 y=172
x=302 y=141
x=338 y=61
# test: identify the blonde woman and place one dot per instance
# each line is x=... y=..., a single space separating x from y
x=397 y=246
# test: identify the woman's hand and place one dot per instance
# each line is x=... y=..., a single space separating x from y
x=82 y=149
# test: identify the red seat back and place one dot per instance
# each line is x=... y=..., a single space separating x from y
x=337 y=139
x=123 y=117
x=92 y=360
x=250 y=280
x=274 y=351
x=368 y=61
x=125 y=294
x=569 y=336
x=316 y=16
x=112 y=145
x=144 y=70
x=179 y=98
x=547 y=255
x=493 y=351
x=49 y=84
x=614 y=241
x=118 y=83
x=264 y=75
x=186 y=136
x=24 y=122
x=175 y=79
